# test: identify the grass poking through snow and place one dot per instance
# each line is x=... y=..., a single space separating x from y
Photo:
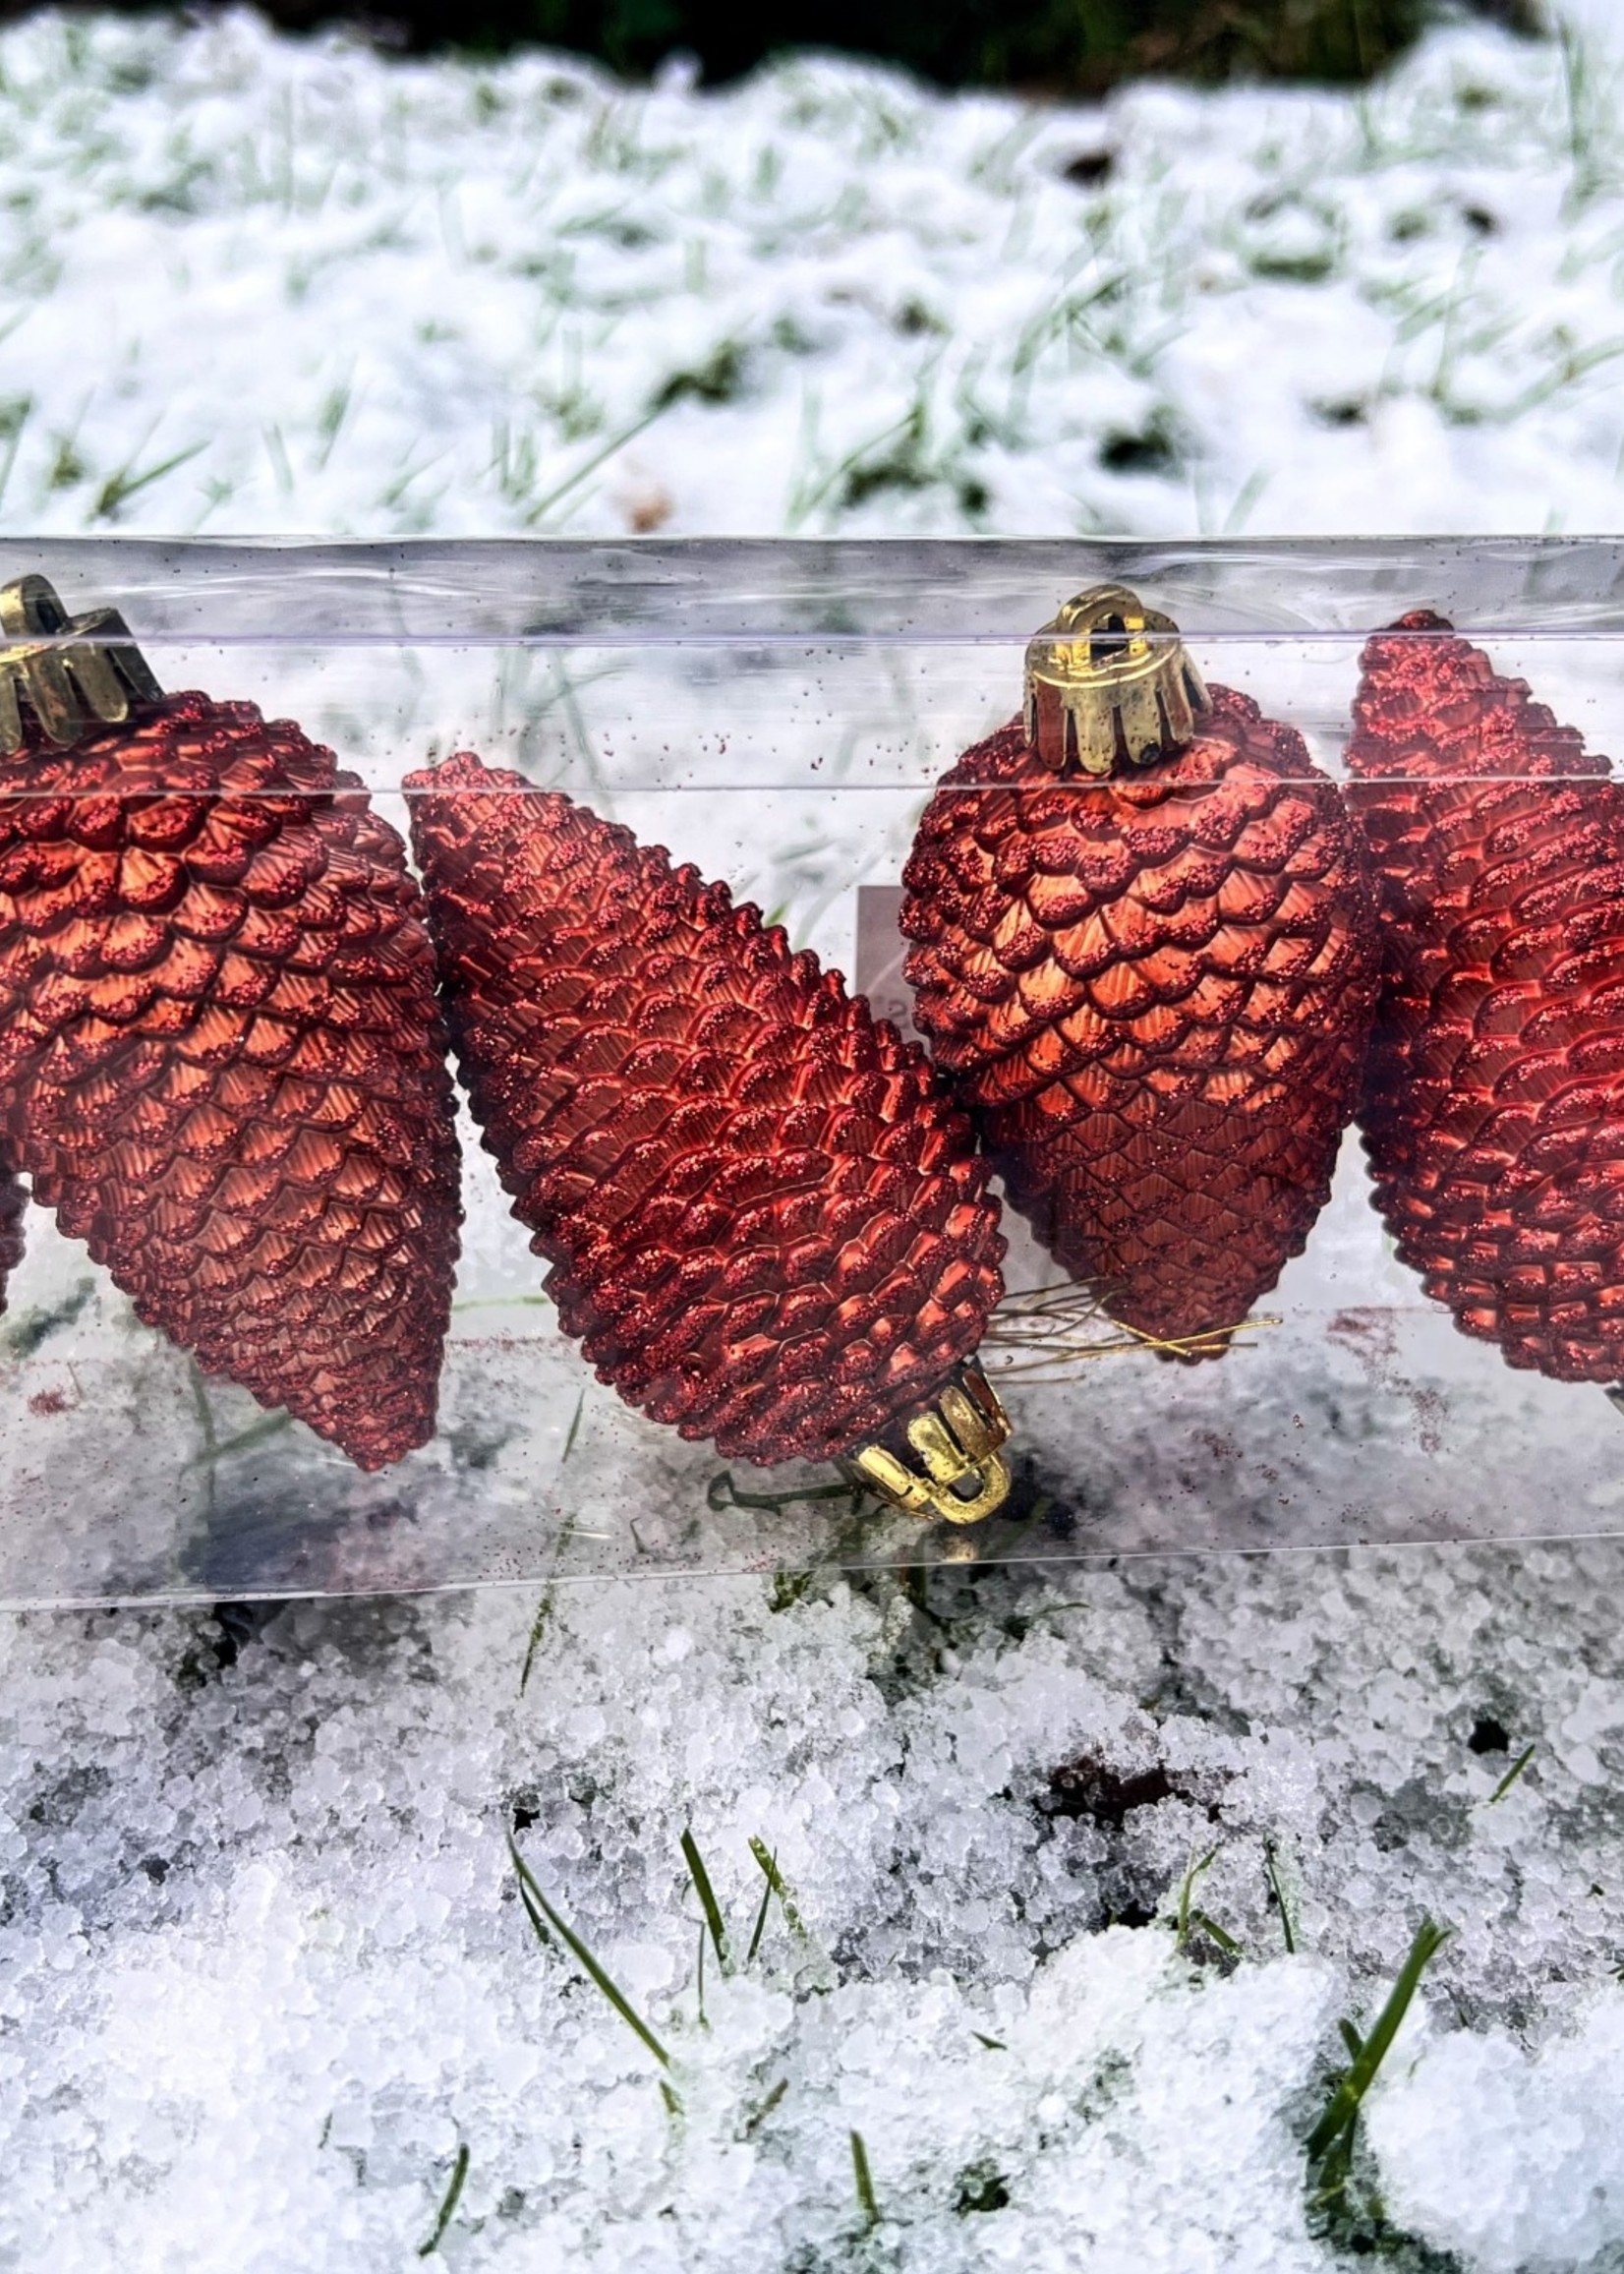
x=1511 y=1776
x=548 y=1927
x=863 y=2181
x=778 y=1885
x=1288 y=1925
x=1331 y=2143
x=1186 y=1917
x=716 y=1925
x=449 y=2203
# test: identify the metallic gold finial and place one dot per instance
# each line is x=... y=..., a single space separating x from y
x=1109 y=682
x=71 y=670
x=956 y=1442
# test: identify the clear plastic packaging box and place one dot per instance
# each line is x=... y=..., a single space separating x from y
x=779 y=715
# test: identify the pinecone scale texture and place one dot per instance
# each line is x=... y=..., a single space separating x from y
x=1493 y=1106
x=222 y=1060
x=1152 y=992
x=763 y=1220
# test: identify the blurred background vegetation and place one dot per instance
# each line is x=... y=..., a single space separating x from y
x=1057 y=46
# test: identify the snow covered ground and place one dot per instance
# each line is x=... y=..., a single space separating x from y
x=267 y=1969
x=258 y=286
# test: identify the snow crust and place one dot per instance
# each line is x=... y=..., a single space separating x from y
x=1510 y=2160
x=263 y=1966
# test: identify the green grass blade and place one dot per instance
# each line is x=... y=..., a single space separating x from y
x=1335 y=2170
x=1187 y=1890
x=449 y=2202
x=863 y=2180
x=760 y=2115
x=536 y=1922
x=575 y=1426
x=544 y=505
x=255 y=1433
x=1342 y=2109
x=538 y=1627
x=127 y=482
x=1511 y=1776
x=1288 y=1929
x=1209 y=1927
x=708 y=1903
x=778 y=1886
x=548 y=1597
x=541 y=1912
x=760 y=1927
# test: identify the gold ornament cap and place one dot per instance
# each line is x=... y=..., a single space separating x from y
x=957 y=1473
x=1108 y=684
x=73 y=671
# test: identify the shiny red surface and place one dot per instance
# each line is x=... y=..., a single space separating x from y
x=1153 y=993
x=763 y=1219
x=221 y=1058
x=1493 y=1109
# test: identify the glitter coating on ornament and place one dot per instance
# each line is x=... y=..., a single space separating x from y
x=763 y=1221
x=1493 y=1106
x=222 y=1061
x=1152 y=991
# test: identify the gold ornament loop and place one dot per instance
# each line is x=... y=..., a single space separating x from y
x=1108 y=684
x=955 y=1440
x=73 y=671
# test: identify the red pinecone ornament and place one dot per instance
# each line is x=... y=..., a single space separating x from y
x=1152 y=989
x=763 y=1221
x=222 y=1056
x=1493 y=1107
